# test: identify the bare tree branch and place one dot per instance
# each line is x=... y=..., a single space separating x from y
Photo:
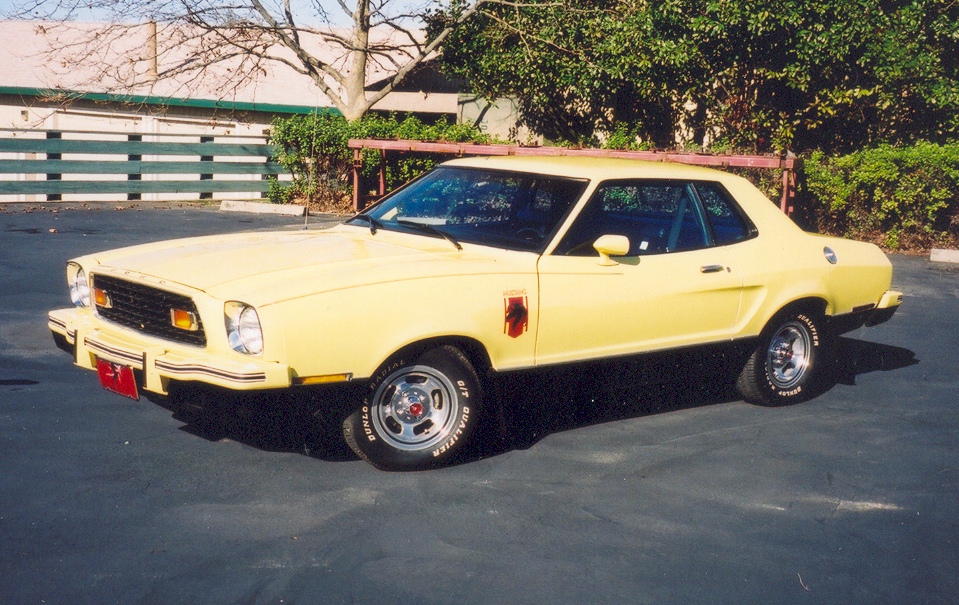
x=226 y=46
x=426 y=51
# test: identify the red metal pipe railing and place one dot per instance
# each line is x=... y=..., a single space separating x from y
x=787 y=164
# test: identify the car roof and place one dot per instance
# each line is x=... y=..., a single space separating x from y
x=591 y=167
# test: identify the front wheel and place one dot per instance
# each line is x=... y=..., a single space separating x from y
x=418 y=412
x=788 y=361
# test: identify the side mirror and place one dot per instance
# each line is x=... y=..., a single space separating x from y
x=611 y=245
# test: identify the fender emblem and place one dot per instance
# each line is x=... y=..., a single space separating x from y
x=516 y=316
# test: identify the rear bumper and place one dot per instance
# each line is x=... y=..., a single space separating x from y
x=869 y=315
x=886 y=308
x=87 y=338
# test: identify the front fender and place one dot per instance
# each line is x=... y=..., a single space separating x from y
x=353 y=330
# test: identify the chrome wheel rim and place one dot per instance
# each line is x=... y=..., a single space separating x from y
x=415 y=408
x=788 y=355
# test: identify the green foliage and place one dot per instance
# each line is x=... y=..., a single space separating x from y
x=804 y=74
x=313 y=148
x=904 y=198
x=626 y=138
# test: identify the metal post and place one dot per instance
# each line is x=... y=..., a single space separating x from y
x=788 y=202
x=54 y=197
x=784 y=201
x=206 y=195
x=381 y=191
x=359 y=199
x=139 y=175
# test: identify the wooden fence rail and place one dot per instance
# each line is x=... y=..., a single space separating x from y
x=34 y=163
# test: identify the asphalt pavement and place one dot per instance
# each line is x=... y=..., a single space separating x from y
x=631 y=482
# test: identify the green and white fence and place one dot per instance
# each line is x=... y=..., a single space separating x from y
x=38 y=165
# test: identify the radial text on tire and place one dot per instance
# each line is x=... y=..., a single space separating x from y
x=788 y=362
x=419 y=411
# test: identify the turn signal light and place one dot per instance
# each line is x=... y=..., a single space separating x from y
x=185 y=320
x=102 y=299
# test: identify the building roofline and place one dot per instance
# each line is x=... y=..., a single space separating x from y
x=75 y=95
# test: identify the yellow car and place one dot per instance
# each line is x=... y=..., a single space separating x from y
x=481 y=266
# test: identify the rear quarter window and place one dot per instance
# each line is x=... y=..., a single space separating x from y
x=725 y=218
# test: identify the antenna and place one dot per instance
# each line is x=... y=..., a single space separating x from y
x=316 y=106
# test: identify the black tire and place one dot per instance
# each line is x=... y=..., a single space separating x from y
x=418 y=412
x=789 y=362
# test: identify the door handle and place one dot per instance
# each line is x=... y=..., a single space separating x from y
x=712 y=269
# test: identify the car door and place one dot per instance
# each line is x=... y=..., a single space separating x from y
x=670 y=285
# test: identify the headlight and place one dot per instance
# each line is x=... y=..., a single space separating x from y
x=243 y=328
x=79 y=287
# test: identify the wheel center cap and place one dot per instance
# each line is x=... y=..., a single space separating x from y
x=782 y=353
x=412 y=407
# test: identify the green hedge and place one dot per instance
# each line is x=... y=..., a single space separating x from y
x=903 y=198
x=313 y=148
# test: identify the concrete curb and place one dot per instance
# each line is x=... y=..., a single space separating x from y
x=944 y=256
x=259 y=208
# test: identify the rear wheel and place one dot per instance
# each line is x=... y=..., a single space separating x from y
x=788 y=361
x=419 y=412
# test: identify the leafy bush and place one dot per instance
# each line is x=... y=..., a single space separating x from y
x=902 y=198
x=313 y=148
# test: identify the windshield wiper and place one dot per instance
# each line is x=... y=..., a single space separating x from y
x=427 y=228
x=374 y=224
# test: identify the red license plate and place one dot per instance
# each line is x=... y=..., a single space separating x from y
x=117 y=378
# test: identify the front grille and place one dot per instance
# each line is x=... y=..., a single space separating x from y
x=147 y=309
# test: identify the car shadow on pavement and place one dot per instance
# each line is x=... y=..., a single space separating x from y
x=306 y=421
x=856 y=357
x=538 y=404
x=533 y=404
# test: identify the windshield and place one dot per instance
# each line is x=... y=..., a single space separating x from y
x=514 y=210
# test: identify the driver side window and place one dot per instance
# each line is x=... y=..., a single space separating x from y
x=656 y=217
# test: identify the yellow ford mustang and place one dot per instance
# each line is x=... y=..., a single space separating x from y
x=482 y=265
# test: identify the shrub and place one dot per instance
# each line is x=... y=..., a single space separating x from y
x=313 y=148
x=902 y=198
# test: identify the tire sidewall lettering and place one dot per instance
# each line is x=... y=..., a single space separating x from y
x=384 y=372
x=784 y=394
x=444 y=365
x=367 y=423
x=464 y=422
x=811 y=326
x=769 y=377
x=813 y=330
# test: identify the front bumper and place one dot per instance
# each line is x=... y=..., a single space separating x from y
x=159 y=361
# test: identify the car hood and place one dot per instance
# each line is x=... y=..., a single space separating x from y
x=266 y=267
